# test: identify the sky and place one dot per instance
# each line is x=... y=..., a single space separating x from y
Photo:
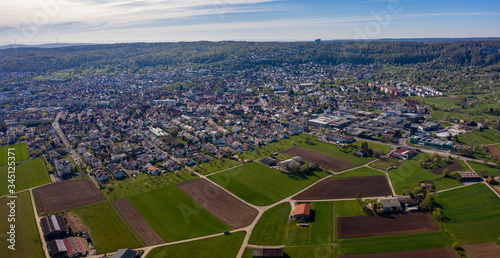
x=112 y=21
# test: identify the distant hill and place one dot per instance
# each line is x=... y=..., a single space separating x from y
x=49 y=45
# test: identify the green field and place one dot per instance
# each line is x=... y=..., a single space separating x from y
x=334 y=151
x=347 y=209
x=29 y=174
x=128 y=187
x=384 y=149
x=261 y=185
x=271 y=227
x=315 y=251
x=360 y=172
x=487 y=136
x=384 y=163
x=472 y=213
x=269 y=148
x=320 y=230
x=174 y=216
x=215 y=165
x=488 y=169
x=393 y=243
x=108 y=232
x=28 y=243
x=21 y=153
x=445 y=183
x=221 y=246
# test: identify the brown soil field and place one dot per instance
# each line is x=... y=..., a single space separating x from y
x=429 y=253
x=170 y=140
x=66 y=195
x=453 y=166
x=137 y=222
x=482 y=250
x=219 y=203
x=494 y=151
x=331 y=162
x=399 y=224
x=339 y=188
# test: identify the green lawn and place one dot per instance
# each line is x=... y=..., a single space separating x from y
x=488 y=169
x=410 y=174
x=473 y=213
x=269 y=148
x=29 y=174
x=21 y=153
x=487 y=136
x=310 y=251
x=108 y=232
x=261 y=185
x=334 y=151
x=271 y=227
x=174 y=216
x=128 y=187
x=384 y=149
x=397 y=243
x=215 y=165
x=445 y=183
x=221 y=246
x=347 y=209
x=384 y=163
x=360 y=172
x=320 y=230
x=28 y=243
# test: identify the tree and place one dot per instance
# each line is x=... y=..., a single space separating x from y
x=428 y=202
x=446 y=172
x=438 y=214
x=456 y=246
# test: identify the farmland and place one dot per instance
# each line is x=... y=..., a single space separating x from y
x=62 y=195
x=321 y=159
x=271 y=227
x=335 y=151
x=221 y=246
x=494 y=151
x=310 y=251
x=371 y=226
x=347 y=209
x=486 y=136
x=359 y=172
x=489 y=249
x=428 y=253
x=472 y=213
x=384 y=163
x=20 y=153
x=348 y=187
x=29 y=174
x=137 y=223
x=282 y=144
x=215 y=165
x=219 y=203
x=319 y=231
x=108 y=232
x=174 y=216
x=28 y=242
x=382 y=148
x=445 y=183
x=455 y=165
x=261 y=185
x=488 y=169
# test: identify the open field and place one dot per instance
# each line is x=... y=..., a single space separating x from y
x=314 y=251
x=445 y=183
x=488 y=169
x=143 y=183
x=359 y=172
x=269 y=148
x=137 y=222
x=494 y=151
x=429 y=253
x=66 y=195
x=487 y=136
x=384 y=149
x=175 y=216
x=399 y=243
x=369 y=226
x=271 y=227
x=20 y=153
x=28 y=243
x=347 y=209
x=453 y=166
x=320 y=229
x=215 y=165
x=106 y=229
x=29 y=174
x=489 y=249
x=330 y=162
x=335 y=151
x=339 y=188
x=221 y=246
x=385 y=162
x=472 y=213
x=261 y=185
x=219 y=203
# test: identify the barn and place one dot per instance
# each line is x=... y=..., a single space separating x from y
x=302 y=211
x=270 y=253
x=53 y=227
x=469 y=177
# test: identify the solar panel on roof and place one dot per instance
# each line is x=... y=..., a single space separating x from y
x=55 y=223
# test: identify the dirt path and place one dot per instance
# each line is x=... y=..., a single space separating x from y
x=37 y=219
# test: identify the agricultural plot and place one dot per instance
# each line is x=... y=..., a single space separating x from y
x=108 y=232
x=28 y=242
x=215 y=165
x=20 y=153
x=359 y=172
x=494 y=151
x=488 y=169
x=271 y=227
x=455 y=165
x=384 y=163
x=261 y=185
x=429 y=253
x=310 y=251
x=445 y=183
x=382 y=148
x=330 y=162
x=269 y=148
x=221 y=246
x=219 y=203
x=137 y=222
x=175 y=216
x=370 y=226
x=489 y=249
x=320 y=229
x=335 y=151
x=486 y=136
x=340 y=188
x=347 y=209
x=472 y=213
x=66 y=195
x=29 y=174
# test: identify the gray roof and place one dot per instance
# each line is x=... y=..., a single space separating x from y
x=391 y=202
x=124 y=253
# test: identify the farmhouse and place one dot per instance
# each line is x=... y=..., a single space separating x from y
x=288 y=163
x=268 y=161
x=53 y=226
x=271 y=253
x=403 y=153
x=469 y=177
x=70 y=247
x=390 y=203
x=302 y=211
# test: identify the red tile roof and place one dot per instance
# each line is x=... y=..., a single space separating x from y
x=303 y=208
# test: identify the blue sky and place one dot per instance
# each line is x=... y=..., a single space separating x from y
x=108 y=21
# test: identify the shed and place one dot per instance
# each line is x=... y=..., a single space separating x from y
x=469 y=176
x=269 y=253
x=390 y=203
x=125 y=253
x=302 y=211
x=268 y=161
